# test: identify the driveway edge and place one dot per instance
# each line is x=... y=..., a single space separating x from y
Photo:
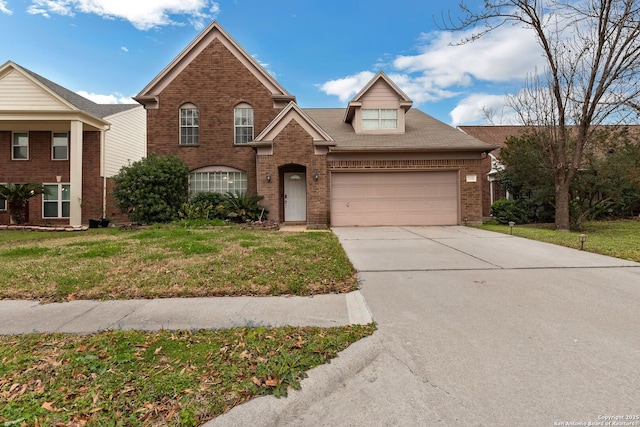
x=321 y=382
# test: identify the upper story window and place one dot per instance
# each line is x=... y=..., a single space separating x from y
x=60 y=146
x=379 y=119
x=189 y=125
x=243 y=121
x=20 y=146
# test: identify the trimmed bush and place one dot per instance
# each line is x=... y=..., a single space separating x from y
x=153 y=189
x=518 y=211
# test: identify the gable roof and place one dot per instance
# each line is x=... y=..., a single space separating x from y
x=405 y=101
x=293 y=112
x=149 y=95
x=66 y=96
x=422 y=133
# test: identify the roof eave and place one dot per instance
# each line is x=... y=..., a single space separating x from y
x=150 y=102
x=413 y=149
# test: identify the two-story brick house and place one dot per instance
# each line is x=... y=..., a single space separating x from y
x=51 y=135
x=376 y=162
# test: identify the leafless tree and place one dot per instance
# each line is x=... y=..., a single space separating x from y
x=592 y=53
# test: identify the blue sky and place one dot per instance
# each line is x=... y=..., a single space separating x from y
x=322 y=52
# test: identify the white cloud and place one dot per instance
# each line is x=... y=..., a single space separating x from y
x=444 y=69
x=482 y=108
x=143 y=14
x=507 y=53
x=124 y=48
x=107 y=99
x=4 y=8
x=347 y=87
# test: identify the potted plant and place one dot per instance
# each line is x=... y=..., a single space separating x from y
x=17 y=196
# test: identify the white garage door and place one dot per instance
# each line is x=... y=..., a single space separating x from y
x=394 y=198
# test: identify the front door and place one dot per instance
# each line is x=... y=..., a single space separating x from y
x=295 y=196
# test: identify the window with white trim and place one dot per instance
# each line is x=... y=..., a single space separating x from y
x=20 y=146
x=60 y=146
x=189 y=125
x=379 y=119
x=243 y=122
x=56 y=201
x=222 y=181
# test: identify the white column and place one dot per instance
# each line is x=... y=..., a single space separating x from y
x=75 y=150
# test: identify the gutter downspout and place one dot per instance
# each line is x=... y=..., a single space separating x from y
x=102 y=170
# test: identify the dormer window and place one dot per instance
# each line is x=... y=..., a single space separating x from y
x=379 y=119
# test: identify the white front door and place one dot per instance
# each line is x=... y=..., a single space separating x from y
x=295 y=196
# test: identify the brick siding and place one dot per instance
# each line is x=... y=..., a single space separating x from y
x=215 y=81
x=293 y=150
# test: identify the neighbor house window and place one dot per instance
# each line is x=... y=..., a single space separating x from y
x=189 y=125
x=3 y=202
x=217 y=181
x=20 y=146
x=56 y=201
x=243 y=120
x=60 y=146
x=379 y=119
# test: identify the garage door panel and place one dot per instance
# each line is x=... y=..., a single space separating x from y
x=394 y=198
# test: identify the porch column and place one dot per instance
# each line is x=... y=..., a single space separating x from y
x=75 y=173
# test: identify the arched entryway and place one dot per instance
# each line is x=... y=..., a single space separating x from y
x=293 y=202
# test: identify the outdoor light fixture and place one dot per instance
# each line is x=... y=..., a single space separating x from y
x=316 y=175
x=511 y=224
x=268 y=177
x=583 y=238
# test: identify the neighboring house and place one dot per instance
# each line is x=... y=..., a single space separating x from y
x=497 y=136
x=72 y=145
x=376 y=162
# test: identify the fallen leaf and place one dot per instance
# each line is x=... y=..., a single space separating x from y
x=271 y=383
x=157 y=350
x=256 y=381
x=49 y=407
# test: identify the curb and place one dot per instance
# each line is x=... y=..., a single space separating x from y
x=269 y=411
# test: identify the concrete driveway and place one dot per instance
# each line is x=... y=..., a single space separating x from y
x=484 y=329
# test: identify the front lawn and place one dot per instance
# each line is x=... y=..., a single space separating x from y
x=129 y=378
x=620 y=239
x=161 y=262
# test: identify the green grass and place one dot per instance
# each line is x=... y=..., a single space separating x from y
x=620 y=239
x=165 y=378
x=163 y=262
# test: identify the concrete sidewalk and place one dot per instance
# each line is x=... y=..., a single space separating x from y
x=19 y=316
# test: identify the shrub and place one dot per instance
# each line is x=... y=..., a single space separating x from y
x=152 y=189
x=205 y=205
x=518 y=211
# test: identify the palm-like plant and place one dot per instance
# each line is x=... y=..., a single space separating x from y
x=17 y=196
x=241 y=207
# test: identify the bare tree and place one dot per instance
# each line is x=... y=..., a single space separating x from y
x=592 y=52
